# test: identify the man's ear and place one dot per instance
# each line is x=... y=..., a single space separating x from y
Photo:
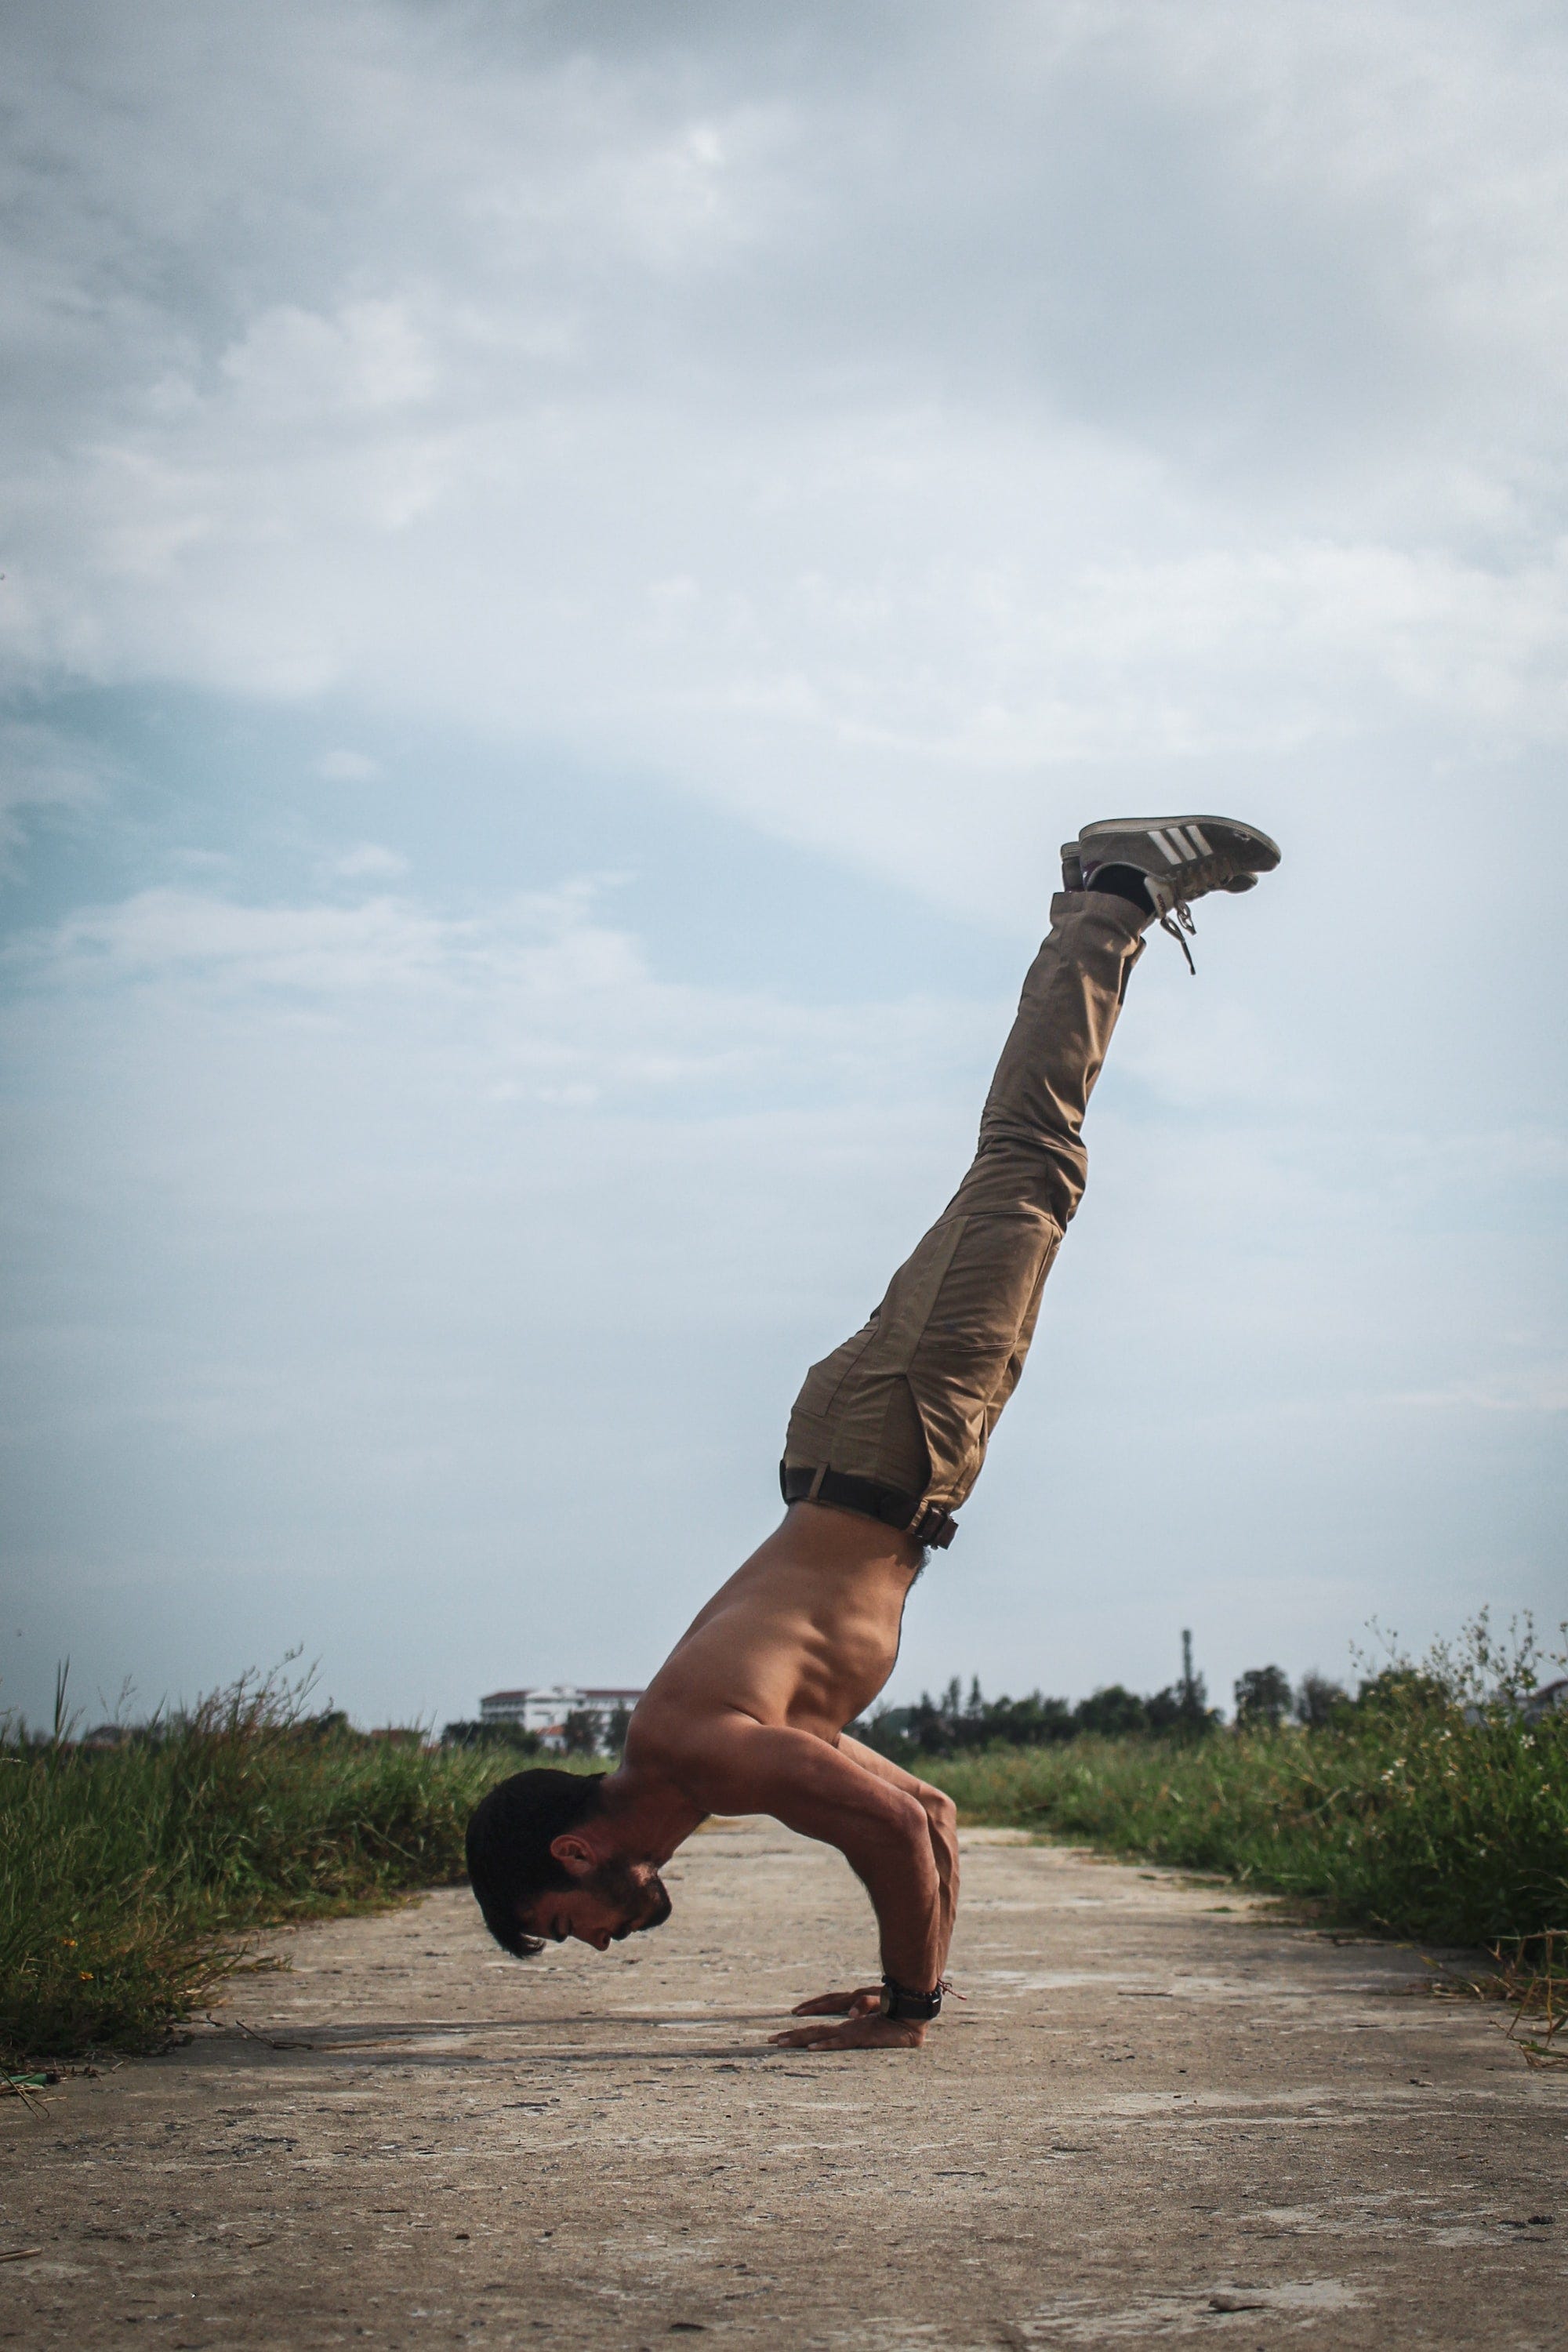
x=574 y=1854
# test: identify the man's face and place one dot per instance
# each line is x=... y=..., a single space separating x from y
x=616 y=1900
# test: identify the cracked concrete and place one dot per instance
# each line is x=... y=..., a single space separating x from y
x=1159 y=2118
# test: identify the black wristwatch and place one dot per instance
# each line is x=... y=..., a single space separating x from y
x=919 y=2008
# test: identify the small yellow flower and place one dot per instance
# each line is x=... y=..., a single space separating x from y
x=69 y=1943
x=86 y=1975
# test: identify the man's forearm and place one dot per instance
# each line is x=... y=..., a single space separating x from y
x=903 y=1846
x=944 y=1855
x=912 y=1913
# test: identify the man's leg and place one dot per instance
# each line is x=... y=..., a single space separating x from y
x=896 y=1422
x=910 y=1402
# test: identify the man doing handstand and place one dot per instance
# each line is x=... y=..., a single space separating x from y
x=886 y=1440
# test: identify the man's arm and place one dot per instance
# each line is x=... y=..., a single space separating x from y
x=941 y=1825
x=878 y=1823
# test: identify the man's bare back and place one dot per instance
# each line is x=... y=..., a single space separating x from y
x=886 y=1440
x=802 y=1637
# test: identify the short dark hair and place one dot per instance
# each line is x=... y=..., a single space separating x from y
x=508 y=1839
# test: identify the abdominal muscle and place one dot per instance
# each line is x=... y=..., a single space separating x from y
x=804 y=1635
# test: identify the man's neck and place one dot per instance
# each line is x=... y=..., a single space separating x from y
x=650 y=1814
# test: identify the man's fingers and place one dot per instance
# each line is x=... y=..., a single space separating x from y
x=840 y=2004
x=859 y=2033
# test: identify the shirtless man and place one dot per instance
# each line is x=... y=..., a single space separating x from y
x=886 y=1440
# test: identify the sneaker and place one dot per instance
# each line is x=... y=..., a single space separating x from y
x=1180 y=858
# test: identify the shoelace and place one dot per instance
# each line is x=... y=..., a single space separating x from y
x=1175 y=916
x=1177 y=920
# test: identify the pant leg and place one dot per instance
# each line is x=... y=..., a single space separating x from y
x=911 y=1399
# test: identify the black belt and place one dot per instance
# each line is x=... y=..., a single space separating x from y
x=927 y=1525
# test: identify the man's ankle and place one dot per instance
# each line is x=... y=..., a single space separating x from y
x=1121 y=882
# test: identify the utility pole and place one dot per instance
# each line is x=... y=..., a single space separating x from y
x=1187 y=1676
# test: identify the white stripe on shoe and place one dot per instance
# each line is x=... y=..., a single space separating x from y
x=1172 y=856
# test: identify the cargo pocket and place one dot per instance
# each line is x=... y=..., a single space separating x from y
x=975 y=1341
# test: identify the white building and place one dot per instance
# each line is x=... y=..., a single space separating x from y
x=546 y=1711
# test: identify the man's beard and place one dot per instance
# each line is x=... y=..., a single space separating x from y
x=644 y=1901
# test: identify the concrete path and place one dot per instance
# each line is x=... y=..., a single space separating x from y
x=1158 y=2118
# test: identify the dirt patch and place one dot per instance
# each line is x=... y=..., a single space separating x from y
x=1159 y=2116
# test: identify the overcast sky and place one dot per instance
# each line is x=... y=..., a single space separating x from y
x=566 y=570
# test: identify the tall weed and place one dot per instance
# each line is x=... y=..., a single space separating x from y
x=129 y=1875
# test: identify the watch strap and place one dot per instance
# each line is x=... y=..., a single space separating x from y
x=902 y=2001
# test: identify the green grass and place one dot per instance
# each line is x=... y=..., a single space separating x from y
x=1406 y=1817
x=131 y=1877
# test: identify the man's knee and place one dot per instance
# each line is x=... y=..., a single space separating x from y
x=1015 y=1171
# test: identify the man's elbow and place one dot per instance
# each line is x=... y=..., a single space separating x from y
x=942 y=1813
x=903 y=1828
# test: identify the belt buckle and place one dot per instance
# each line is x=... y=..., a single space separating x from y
x=934 y=1527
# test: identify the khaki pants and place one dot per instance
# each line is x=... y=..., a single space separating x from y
x=910 y=1401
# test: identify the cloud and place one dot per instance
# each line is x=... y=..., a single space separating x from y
x=292 y=364
x=859 y=449
x=346 y=767
x=370 y=861
x=44 y=768
x=528 y=998
x=906 y=432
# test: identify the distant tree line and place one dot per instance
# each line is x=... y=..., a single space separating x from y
x=947 y=1726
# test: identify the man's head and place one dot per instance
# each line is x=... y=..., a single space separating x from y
x=544 y=1863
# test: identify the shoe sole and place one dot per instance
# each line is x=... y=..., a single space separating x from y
x=1266 y=853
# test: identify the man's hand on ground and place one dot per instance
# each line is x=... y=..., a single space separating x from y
x=872 y=2033
x=860 y=2003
